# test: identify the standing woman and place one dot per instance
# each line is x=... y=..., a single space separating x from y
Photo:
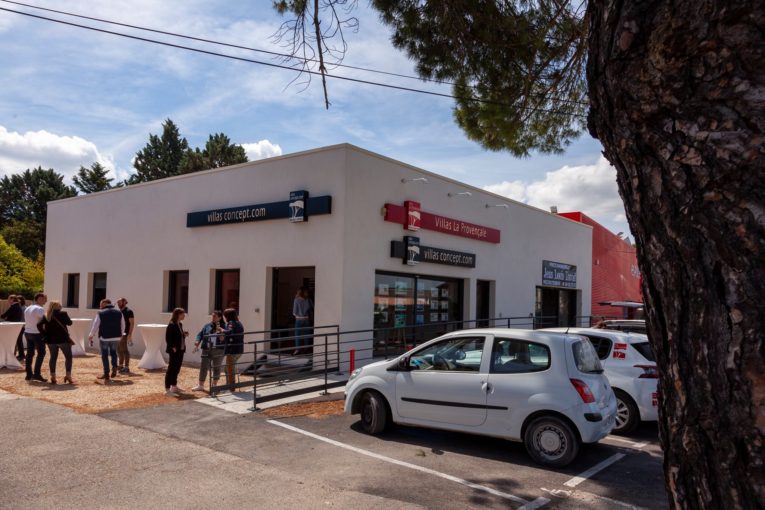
x=212 y=353
x=233 y=343
x=302 y=309
x=176 y=348
x=53 y=327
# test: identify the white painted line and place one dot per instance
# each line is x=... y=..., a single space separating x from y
x=593 y=470
x=527 y=505
x=639 y=445
x=589 y=497
x=631 y=443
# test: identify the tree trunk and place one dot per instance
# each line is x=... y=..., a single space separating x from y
x=677 y=93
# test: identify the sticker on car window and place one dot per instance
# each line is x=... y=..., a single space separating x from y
x=620 y=354
x=621 y=347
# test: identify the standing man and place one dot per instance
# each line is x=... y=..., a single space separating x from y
x=109 y=324
x=33 y=315
x=123 y=355
x=15 y=313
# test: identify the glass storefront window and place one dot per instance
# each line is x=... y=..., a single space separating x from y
x=411 y=309
x=227 y=289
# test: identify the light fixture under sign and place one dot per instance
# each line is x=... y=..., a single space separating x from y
x=414 y=179
x=498 y=205
x=460 y=194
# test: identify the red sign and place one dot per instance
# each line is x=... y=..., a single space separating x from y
x=620 y=355
x=403 y=216
x=621 y=347
x=413 y=219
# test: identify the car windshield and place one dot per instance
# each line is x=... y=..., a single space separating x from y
x=644 y=348
x=586 y=357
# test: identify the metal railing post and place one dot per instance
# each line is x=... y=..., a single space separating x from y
x=255 y=377
x=337 y=351
x=326 y=368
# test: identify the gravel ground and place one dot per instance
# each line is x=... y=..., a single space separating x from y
x=141 y=388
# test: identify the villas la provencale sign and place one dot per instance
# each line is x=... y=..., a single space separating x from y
x=297 y=209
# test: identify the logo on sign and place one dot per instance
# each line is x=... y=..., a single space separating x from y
x=412 y=250
x=413 y=215
x=620 y=355
x=298 y=200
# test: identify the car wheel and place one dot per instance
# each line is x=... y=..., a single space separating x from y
x=550 y=441
x=627 y=415
x=374 y=415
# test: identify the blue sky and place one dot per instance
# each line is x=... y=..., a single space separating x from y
x=69 y=97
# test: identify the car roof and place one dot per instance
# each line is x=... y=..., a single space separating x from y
x=524 y=334
x=614 y=334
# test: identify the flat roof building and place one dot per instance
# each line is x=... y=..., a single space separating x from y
x=379 y=243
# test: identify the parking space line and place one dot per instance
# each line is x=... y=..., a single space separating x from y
x=527 y=505
x=588 y=497
x=584 y=475
x=631 y=443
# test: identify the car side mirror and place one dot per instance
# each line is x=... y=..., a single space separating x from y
x=403 y=364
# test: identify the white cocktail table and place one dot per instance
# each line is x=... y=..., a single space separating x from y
x=153 y=337
x=9 y=332
x=79 y=332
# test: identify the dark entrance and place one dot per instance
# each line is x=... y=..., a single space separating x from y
x=286 y=282
x=483 y=303
x=555 y=307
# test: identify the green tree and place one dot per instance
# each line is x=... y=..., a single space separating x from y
x=218 y=152
x=19 y=274
x=675 y=92
x=161 y=157
x=25 y=196
x=28 y=236
x=93 y=179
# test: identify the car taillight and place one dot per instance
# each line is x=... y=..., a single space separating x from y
x=583 y=390
x=649 y=372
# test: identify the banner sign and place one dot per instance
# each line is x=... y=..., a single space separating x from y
x=411 y=252
x=412 y=218
x=295 y=209
x=558 y=274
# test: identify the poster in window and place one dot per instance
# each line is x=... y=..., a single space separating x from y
x=419 y=319
x=444 y=305
x=420 y=294
x=382 y=289
x=400 y=304
x=444 y=317
x=399 y=320
x=420 y=308
x=444 y=293
x=402 y=289
x=434 y=317
x=382 y=301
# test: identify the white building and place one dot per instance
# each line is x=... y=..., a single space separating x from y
x=493 y=257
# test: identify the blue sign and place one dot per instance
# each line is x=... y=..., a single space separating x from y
x=558 y=274
x=291 y=209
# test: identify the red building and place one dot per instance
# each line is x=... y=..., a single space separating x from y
x=615 y=274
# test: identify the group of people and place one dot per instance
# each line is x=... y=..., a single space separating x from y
x=221 y=338
x=114 y=328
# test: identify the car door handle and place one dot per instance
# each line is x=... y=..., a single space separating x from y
x=486 y=387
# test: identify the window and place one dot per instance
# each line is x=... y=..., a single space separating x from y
x=644 y=348
x=461 y=354
x=98 y=289
x=586 y=358
x=226 y=289
x=511 y=356
x=602 y=346
x=72 y=292
x=178 y=291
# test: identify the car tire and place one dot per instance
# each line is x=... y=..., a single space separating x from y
x=551 y=441
x=374 y=414
x=627 y=415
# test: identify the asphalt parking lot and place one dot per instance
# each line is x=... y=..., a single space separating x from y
x=419 y=467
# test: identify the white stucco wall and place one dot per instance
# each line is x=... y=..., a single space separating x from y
x=138 y=233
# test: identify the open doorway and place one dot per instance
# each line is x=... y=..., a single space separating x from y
x=555 y=307
x=286 y=282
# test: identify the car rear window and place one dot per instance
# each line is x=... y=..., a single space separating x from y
x=586 y=358
x=644 y=348
x=512 y=356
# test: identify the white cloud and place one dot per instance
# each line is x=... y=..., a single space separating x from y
x=590 y=189
x=65 y=154
x=261 y=150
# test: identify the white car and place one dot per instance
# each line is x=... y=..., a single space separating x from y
x=545 y=389
x=630 y=366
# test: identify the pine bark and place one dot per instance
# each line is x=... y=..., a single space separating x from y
x=677 y=93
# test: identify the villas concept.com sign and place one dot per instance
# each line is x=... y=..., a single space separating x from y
x=558 y=274
x=298 y=208
x=412 y=253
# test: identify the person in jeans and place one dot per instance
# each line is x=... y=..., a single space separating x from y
x=302 y=308
x=123 y=354
x=54 y=329
x=233 y=343
x=15 y=313
x=108 y=325
x=175 y=337
x=212 y=350
x=33 y=315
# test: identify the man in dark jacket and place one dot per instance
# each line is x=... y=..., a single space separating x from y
x=15 y=313
x=109 y=325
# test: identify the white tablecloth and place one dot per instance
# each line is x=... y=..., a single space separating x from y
x=9 y=332
x=154 y=339
x=79 y=332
